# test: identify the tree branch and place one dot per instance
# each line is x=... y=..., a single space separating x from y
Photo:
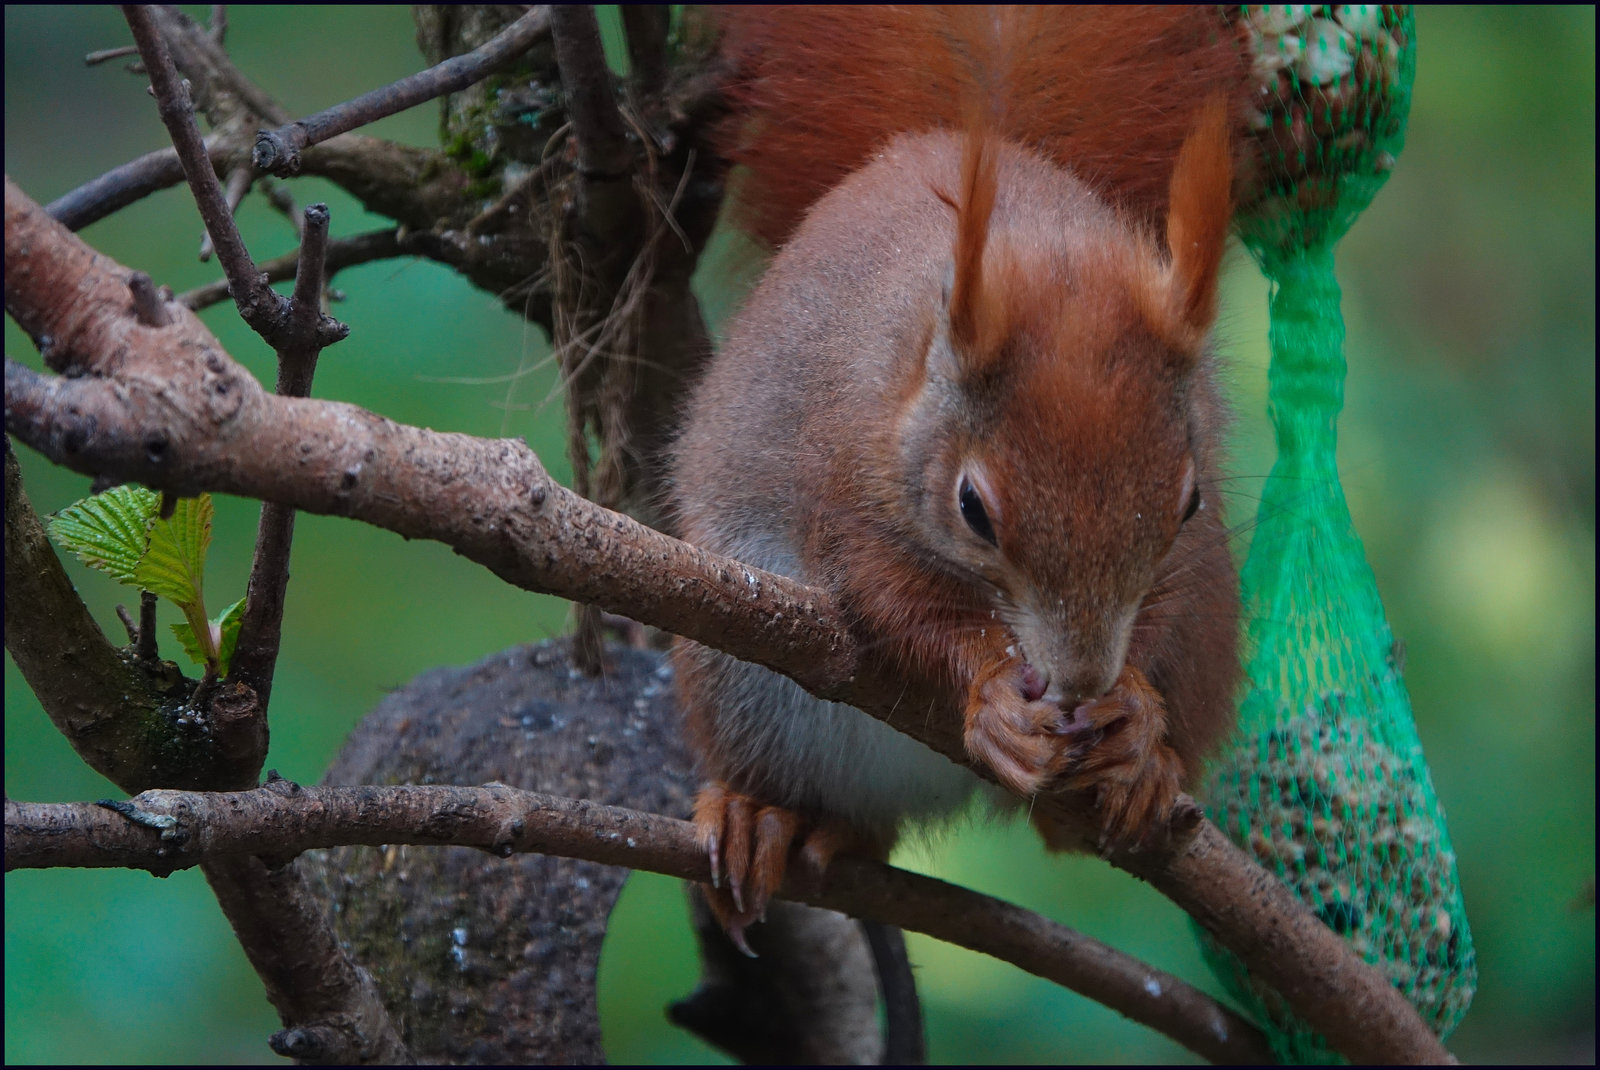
x=415 y=186
x=118 y=714
x=219 y=87
x=341 y=253
x=172 y=830
x=171 y=409
x=260 y=630
x=239 y=179
x=597 y=128
x=646 y=26
x=331 y=1010
x=72 y=666
x=260 y=306
x=133 y=181
x=101 y=55
x=278 y=151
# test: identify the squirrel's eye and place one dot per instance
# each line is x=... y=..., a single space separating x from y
x=1193 y=507
x=973 y=512
x=1188 y=492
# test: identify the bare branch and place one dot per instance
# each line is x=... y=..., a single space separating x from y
x=238 y=185
x=330 y=1008
x=122 y=186
x=278 y=151
x=603 y=150
x=282 y=819
x=258 y=304
x=145 y=648
x=415 y=186
x=309 y=334
x=219 y=86
x=104 y=54
x=342 y=253
x=147 y=303
x=646 y=26
x=308 y=330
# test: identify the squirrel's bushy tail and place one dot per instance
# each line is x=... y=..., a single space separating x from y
x=1110 y=92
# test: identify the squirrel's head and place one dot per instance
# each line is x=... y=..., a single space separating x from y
x=1051 y=447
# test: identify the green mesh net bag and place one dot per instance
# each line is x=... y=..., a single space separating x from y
x=1325 y=783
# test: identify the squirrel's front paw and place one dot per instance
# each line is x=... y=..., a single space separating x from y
x=1011 y=730
x=1116 y=747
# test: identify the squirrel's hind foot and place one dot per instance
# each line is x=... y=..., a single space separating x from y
x=750 y=843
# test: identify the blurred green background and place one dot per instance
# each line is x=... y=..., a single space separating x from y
x=1467 y=452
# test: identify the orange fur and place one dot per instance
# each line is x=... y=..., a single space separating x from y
x=973 y=322
x=970 y=299
x=1196 y=231
x=1107 y=91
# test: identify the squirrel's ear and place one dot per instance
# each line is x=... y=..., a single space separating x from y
x=1200 y=209
x=972 y=309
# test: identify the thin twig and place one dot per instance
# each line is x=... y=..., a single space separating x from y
x=308 y=330
x=104 y=54
x=199 y=55
x=259 y=305
x=278 y=151
x=148 y=306
x=282 y=202
x=146 y=649
x=128 y=623
x=260 y=630
x=597 y=127
x=122 y=186
x=238 y=185
x=283 y=819
x=342 y=253
x=646 y=26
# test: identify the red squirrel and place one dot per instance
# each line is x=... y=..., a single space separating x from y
x=972 y=397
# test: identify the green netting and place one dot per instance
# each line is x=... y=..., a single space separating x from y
x=1325 y=783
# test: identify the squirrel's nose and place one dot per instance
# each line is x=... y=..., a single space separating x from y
x=1035 y=684
x=1077 y=689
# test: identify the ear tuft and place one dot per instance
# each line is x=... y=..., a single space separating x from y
x=1200 y=211
x=974 y=315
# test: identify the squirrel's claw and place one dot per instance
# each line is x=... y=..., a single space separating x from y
x=1011 y=730
x=1119 y=751
x=749 y=844
x=1114 y=746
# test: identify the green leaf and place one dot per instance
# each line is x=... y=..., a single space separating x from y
x=228 y=625
x=174 y=565
x=224 y=629
x=109 y=531
x=191 y=644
